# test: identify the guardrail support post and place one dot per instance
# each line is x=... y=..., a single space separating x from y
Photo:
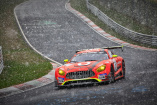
x=1 y=60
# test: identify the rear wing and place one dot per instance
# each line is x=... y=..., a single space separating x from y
x=113 y=47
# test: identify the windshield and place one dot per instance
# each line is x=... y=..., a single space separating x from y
x=94 y=56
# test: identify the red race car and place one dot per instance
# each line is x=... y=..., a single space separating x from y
x=91 y=66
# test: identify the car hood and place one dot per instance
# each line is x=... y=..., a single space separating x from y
x=80 y=66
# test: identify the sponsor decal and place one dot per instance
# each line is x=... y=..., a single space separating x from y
x=115 y=64
x=102 y=76
x=119 y=62
x=83 y=63
x=68 y=64
x=60 y=80
x=106 y=62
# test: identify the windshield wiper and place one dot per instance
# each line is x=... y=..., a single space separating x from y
x=90 y=60
x=74 y=61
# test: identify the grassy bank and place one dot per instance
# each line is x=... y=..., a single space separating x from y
x=124 y=20
x=21 y=62
x=80 y=5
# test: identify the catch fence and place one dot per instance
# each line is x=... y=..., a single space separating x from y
x=1 y=60
x=139 y=37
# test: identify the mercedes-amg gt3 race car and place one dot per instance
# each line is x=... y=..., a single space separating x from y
x=91 y=66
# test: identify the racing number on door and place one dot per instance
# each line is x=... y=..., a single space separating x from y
x=115 y=64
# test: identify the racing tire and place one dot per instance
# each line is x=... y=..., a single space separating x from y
x=111 y=75
x=60 y=87
x=123 y=69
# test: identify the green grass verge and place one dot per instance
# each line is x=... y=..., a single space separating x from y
x=80 y=5
x=21 y=63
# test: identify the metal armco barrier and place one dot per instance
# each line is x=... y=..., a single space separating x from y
x=139 y=37
x=1 y=60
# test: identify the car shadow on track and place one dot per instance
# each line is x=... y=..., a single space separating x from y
x=88 y=85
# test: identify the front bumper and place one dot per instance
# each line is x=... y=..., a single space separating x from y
x=80 y=82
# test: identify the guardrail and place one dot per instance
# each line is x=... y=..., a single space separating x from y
x=1 y=60
x=139 y=37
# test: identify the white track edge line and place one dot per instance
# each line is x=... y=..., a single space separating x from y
x=29 y=42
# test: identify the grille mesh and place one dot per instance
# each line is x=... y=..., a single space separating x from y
x=80 y=74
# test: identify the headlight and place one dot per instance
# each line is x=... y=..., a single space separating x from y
x=101 y=68
x=61 y=72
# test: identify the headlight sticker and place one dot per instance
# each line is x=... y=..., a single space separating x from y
x=60 y=80
x=102 y=76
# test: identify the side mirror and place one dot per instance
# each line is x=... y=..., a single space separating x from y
x=66 y=60
x=114 y=56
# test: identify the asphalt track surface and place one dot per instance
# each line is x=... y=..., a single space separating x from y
x=57 y=33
